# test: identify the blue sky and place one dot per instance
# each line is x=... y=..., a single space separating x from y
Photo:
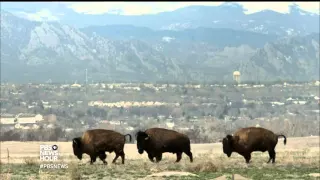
x=52 y=10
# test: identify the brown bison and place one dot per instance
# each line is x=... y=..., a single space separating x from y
x=96 y=142
x=247 y=140
x=156 y=141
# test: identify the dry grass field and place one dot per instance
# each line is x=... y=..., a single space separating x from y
x=299 y=159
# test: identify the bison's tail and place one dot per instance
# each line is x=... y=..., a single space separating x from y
x=129 y=137
x=285 y=139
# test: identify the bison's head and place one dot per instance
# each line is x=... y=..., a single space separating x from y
x=227 y=145
x=77 y=149
x=142 y=140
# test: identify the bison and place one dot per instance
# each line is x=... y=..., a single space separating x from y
x=156 y=141
x=247 y=140
x=96 y=142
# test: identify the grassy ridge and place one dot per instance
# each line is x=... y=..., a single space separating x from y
x=297 y=160
x=134 y=171
x=292 y=166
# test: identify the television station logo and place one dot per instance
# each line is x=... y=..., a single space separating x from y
x=50 y=153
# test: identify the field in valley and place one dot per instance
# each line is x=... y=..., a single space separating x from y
x=299 y=159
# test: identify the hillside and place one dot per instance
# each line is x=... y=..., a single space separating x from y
x=61 y=52
x=38 y=51
x=287 y=58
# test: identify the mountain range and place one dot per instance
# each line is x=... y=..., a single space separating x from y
x=226 y=15
x=196 y=43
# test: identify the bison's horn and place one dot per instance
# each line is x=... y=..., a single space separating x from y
x=147 y=137
x=74 y=141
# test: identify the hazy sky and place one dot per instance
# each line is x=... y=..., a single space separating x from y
x=137 y=8
x=53 y=10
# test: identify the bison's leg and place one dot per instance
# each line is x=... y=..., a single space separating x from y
x=114 y=160
x=190 y=155
x=103 y=157
x=150 y=157
x=179 y=156
x=122 y=156
x=93 y=159
x=274 y=156
x=247 y=157
x=159 y=157
x=270 y=156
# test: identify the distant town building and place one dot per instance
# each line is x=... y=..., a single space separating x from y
x=21 y=120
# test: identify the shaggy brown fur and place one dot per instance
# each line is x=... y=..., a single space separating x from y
x=247 y=140
x=156 y=141
x=96 y=142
